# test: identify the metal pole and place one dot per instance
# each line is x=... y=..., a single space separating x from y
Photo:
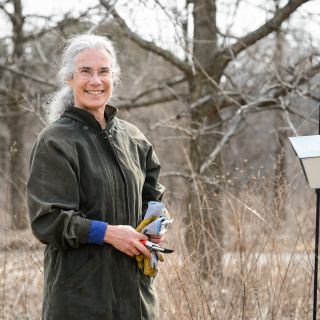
x=319 y=119
x=316 y=249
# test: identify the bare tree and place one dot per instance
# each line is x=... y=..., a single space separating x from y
x=281 y=134
x=15 y=122
x=27 y=70
x=203 y=80
x=204 y=68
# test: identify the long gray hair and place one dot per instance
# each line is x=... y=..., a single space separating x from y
x=63 y=98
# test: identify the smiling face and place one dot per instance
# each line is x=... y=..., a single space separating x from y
x=92 y=79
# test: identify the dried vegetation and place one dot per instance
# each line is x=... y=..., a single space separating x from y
x=267 y=264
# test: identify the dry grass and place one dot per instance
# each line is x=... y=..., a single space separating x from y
x=257 y=284
x=21 y=280
x=267 y=268
x=267 y=264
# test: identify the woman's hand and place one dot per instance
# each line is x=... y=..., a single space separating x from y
x=160 y=238
x=126 y=239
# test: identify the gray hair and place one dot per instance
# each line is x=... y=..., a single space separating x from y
x=63 y=98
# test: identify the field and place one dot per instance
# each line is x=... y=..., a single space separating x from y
x=267 y=267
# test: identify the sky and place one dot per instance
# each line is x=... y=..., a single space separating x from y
x=151 y=23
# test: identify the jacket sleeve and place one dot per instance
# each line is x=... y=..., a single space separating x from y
x=152 y=189
x=53 y=197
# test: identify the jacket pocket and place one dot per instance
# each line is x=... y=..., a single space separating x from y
x=82 y=275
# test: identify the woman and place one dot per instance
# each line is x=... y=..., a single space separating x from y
x=91 y=177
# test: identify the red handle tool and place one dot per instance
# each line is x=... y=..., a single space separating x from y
x=155 y=247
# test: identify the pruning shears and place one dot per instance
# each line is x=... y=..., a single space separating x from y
x=155 y=247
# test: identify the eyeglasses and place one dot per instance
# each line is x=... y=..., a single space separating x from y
x=88 y=73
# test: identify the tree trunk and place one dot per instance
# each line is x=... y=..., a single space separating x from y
x=17 y=168
x=205 y=228
x=17 y=173
x=205 y=231
x=279 y=185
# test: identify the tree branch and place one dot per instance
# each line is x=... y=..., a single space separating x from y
x=28 y=76
x=225 y=139
x=149 y=103
x=267 y=28
x=148 y=45
x=176 y=174
x=287 y=117
x=284 y=89
x=3 y=8
x=63 y=23
x=236 y=122
x=160 y=87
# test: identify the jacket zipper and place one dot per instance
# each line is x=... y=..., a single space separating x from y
x=107 y=135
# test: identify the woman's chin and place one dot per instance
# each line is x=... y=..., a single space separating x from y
x=94 y=104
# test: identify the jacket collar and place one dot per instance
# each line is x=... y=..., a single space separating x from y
x=88 y=119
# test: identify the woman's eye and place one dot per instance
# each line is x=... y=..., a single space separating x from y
x=104 y=73
x=85 y=72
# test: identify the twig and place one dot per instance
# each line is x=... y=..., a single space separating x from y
x=282 y=104
x=225 y=139
x=28 y=76
x=149 y=103
x=270 y=26
x=148 y=45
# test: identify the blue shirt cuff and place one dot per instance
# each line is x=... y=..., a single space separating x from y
x=97 y=232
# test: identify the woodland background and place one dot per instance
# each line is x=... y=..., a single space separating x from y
x=218 y=103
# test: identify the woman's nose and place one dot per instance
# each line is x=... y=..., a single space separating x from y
x=95 y=78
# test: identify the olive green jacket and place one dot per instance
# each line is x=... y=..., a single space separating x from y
x=79 y=173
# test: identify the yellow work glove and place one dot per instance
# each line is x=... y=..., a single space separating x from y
x=144 y=263
x=145 y=222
